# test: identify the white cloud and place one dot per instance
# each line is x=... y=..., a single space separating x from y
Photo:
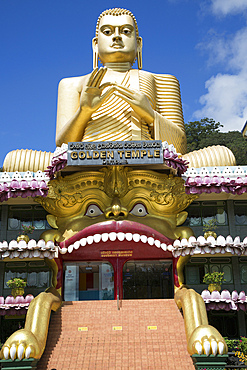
x=224 y=7
x=226 y=100
x=226 y=97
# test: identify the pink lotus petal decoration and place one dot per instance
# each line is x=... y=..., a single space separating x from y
x=29 y=298
x=23 y=189
x=225 y=300
x=215 y=184
x=15 y=306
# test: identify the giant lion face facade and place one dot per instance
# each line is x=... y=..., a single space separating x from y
x=116 y=208
x=83 y=199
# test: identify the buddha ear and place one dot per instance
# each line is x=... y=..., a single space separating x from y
x=95 y=52
x=139 y=52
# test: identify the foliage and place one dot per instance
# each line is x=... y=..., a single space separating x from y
x=242 y=345
x=16 y=283
x=206 y=132
x=214 y=277
x=210 y=225
x=239 y=346
x=231 y=343
x=27 y=229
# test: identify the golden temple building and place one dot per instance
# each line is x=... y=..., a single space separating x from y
x=112 y=254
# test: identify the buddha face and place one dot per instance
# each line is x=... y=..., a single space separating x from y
x=117 y=41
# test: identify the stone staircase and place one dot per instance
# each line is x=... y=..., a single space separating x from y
x=143 y=334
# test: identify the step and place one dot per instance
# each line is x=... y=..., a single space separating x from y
x=143 y=334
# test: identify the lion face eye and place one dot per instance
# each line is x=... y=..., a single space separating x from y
x=93 y=211
x=139 y=210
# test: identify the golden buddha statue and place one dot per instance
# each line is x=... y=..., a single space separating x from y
x=118 y=102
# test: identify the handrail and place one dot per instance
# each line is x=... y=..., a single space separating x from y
x=118 y=303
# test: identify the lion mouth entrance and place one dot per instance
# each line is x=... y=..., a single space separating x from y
x=116 y=233
x=118 y=244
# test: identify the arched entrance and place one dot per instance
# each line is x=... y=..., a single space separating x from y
x=87 y=259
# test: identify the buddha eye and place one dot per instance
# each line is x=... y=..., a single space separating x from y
x=139 y=210
x=126 y=31
x=93 y=211
x=107 y=31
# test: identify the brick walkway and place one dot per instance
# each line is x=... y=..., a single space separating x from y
x=103 y=347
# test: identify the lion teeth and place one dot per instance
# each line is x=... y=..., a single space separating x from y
x=77 y=244
x=97 y=238
x=105 y=237
x=121 y=236
x=128 y=237
x=136 y=237
x=90 y=239
x=83 y=242
x=144 y=238
x=157 y=243
x=113 y=236
x=151 y=240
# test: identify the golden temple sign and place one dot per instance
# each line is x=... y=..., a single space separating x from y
x=115 y=153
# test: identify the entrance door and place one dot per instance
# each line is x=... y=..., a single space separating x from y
x=147 y=279
x=88 y=281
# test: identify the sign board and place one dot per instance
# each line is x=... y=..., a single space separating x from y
x=71 y=283
x=152 y=327
x=82 y=328
x=107 y=153
x=117 y=328
x=108 y=254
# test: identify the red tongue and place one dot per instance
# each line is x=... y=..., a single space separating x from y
x=116 y=226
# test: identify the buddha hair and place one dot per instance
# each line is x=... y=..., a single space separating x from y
x=116 y=11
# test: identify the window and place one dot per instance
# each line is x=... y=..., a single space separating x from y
x=198 y=267
x=225 y=322
x=27 y=215
x=36 y=273
x=201 y=212
x=243 y=269
x=240 y=211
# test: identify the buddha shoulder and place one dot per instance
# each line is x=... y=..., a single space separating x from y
x=159 y=81
x=74 y=84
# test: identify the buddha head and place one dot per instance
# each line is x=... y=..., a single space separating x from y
x=117 y=38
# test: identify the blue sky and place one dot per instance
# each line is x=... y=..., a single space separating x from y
x=203 y=43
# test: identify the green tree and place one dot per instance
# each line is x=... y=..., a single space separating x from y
x=206 y=132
